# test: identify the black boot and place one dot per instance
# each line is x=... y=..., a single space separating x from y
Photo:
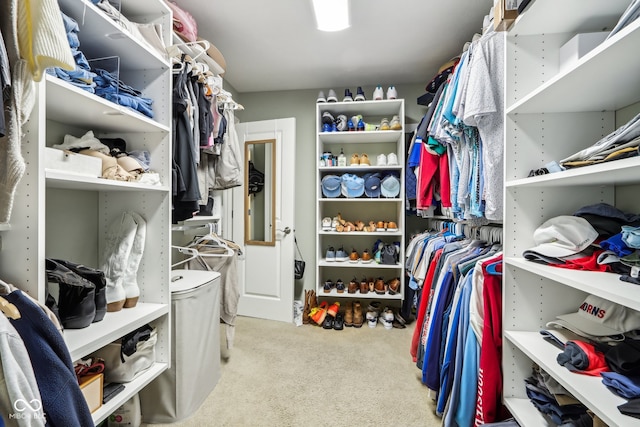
x=76 y=296
x=96 y=277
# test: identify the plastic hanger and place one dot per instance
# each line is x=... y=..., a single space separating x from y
x=9 y=309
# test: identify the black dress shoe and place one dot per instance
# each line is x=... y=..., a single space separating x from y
x=328 y=322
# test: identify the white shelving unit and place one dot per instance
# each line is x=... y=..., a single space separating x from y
x=65 y=215
x=364 y=208
x=551 y=114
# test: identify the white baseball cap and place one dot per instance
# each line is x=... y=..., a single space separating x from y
x=563 y=236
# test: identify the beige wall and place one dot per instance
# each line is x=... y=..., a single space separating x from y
x=301 y=105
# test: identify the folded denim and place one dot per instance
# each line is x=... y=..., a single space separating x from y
x=66 y=76
x=106 y=79
x=81 y=60
x=631 y=236
x=142 y=105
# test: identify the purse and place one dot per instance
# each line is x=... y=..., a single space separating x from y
x=298 y=264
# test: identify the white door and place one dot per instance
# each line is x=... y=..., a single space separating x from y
x=263 y=221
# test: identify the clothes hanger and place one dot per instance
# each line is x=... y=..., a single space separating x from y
x=9 y=309
x=211 y=240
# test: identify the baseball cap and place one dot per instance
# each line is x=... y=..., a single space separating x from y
x=372 y=185
x=352 y=185
x=390 y=186
x=331 y=186
x=562 y=236
x=599 y=318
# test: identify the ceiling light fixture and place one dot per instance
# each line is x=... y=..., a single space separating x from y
x=331 y=15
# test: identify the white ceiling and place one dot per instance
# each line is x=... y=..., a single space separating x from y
x=274 y=45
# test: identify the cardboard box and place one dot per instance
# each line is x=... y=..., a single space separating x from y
x=91 y=387
x=505 y=13
x=70 y=162
x=579 y=46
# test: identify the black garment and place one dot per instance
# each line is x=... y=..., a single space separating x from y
x=5 y=83
x=631 y=408
x=205 y=123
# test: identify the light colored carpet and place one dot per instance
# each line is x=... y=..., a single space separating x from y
x=278 y=374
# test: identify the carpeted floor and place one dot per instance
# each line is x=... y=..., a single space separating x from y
x=278 y=374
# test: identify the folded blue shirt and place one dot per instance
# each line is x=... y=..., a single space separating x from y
x=624 y=386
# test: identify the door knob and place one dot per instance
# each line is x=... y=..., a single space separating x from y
x=286 y=230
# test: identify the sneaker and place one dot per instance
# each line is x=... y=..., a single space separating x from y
x=326 y=127
x=326 y=224
x=321 y=97
x=392 y=159
x=381 y=160
x=395 y=123
x=384 y=124
x=327 y=118
x=392 y=93
x=360 y=95
x=348 y=97
x=387 y=318
x=355 y=159
x=341 y=123
x=372 y=318
x=378 y=94
x=364 y=160
x=371 y=127
x=332 y=97
x=341 y=255
x=334 y=223
x=330 y=255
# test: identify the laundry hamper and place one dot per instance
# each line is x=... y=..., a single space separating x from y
x=178 y=392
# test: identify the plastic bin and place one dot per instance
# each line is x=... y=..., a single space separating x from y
x=178 y=392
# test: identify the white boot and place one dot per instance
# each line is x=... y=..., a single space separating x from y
x=117 y=247
x=130 y=281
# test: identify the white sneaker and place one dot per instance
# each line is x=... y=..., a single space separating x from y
x=381 y=160
x=378 y=94
x=334 y=223
x=392 y=93
x=332 y=97
x=372 y=319
x=326 y=224
x=395 y=124
x=321 y=97
x=392 y=159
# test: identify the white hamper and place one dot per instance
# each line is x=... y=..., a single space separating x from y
x=195 y=349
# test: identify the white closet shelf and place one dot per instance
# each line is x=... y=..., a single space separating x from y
x=69 y=104
x=67 y=181
x=389 y=107
x=581 y=88
x=324 y=263
x=525 y=413
x=145 y=10
x=5 y=227
x=605 y=285
x=354 y=169
x=360 y=233
x=577 y=16
x=369 y=295
x=130 y=389
x=588 y=389
x=82 y=342
x=617 y=172
x=107 y=38
x=362 y=137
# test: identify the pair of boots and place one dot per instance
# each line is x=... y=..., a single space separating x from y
x=310 y=302
x=81 y=293
x=124 y=247
x=353 y=314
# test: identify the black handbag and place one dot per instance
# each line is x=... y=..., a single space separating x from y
x=298 y=264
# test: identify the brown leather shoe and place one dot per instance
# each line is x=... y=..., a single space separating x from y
x=364 y=286
x=380 y=286
x=372 y=286
x=380 y=226
x=392 y=226
x=394 y=286
x=348 y=314
x=366 y=256
x=354 y=257
x=313 y=301
x=357 y=315
x=305 y=311
x=353 y=286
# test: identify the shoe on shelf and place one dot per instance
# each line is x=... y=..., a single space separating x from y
x=392 y=226
x=355 y=159
x=334 y=223
x=341 y=255
x=361 y=125
x=326 y=127
x=353 y=286
x=330 y=256
x=394 y=286
x=327 y=118
x=378 y=94
x=338 y=322
x=395 y=124
x=381 y=160
x=380 y=286
x=364 y=286
x=384 y=124
x=354 y=257
x=372 y=286
x=328 y=285
x=333 y=309
x=364 y=160
x=371 y=127
x=334 y=127
x=341 y=123
x=351 y=127
x=366 y=257
x=392 y=93
x=348 y=314
x=326 y=224
x=392 y=159
x=348 y=97
x=380 y=226
x=321 y=97
x=357 y=314
x=360 y=94
x=332 y=97
x=359 y=225
x=340 y=286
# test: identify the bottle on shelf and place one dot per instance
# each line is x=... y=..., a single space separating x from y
x=342 y=159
